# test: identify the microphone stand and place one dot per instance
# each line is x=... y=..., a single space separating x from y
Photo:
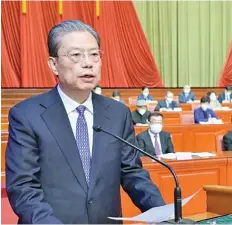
x=177 y=191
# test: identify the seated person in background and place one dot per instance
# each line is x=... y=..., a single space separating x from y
x=155 y=141
x=117 y=96
x=167 y=104
x=187 y=95
x=226 y=96
x=145 y=95
x=204 y=113
x=227 y=141
x=140 y=115
x=214 y=103
x=98 y=90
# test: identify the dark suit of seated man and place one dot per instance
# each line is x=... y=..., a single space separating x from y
x=58 y=169
x=227 y=141
x=166 y=104
x=155 y=141
x=226 y=96
x=140 y=115
x=186 y=96
x=204 y=113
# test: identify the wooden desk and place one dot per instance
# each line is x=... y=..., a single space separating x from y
x=195 y=137
x=192 y=174
x=225 y=116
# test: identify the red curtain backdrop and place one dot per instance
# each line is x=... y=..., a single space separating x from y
x=127 y=60
x=226 y=76
x=10 y=52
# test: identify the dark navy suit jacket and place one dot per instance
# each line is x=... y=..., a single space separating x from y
x=45 y=180
x=199 y=115
x=222 y=97
x=183 y=98
x=163 y=104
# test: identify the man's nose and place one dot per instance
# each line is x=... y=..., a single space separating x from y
x=86 y=61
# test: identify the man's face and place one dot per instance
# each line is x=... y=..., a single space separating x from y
x=85 y=74
x=169 y=97
x=156 y=120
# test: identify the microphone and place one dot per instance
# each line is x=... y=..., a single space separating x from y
x=177 y=191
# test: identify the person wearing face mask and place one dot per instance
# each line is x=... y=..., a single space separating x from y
x=226 y=96
x=167 y=104
x=145 y=95
x=214 y=103
x=140 y=115
x=155 y=141
x=204 y=113
x=187 y=96
x=98 y=90
x=117 y=96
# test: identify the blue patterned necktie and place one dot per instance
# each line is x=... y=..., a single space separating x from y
x=82 y=139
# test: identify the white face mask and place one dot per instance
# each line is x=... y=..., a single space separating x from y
x=116 y=98
x=213 y=98
x=186 y=91
x=145 y=93
x=142 y=111
x=156 y=128
x=98 y=91
x=204 y=107
x=169 y=100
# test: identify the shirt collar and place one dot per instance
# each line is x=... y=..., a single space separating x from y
x=71 y=105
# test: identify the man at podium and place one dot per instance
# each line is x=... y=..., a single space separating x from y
x=58 y=170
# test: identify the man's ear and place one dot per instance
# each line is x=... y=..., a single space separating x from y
x=53 y=64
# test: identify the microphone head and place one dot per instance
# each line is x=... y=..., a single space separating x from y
x=97 y=128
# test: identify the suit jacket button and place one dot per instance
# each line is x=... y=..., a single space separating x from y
x=90 y=201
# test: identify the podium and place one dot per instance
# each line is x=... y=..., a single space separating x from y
x=218 y=202
x=219 y=199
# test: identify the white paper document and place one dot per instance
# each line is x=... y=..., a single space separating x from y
x=204 y=154
x=156 y=214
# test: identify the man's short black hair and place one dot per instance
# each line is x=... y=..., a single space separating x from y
x=210 y=92
x=156 y=114
x=205 y=99
x=116 y=93
x=145 y=87
x=98 y=86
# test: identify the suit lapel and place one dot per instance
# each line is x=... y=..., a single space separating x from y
x=162 y=142
x=58 y=123
x=100 y=117
x=150 y=146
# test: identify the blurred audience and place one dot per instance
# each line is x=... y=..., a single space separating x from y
x=145 y=95
x=226 y=96
x=140 y=115
x=187 y=96
x=214 y=103
x=227 y=141
x=167 y=104
x=117 y=96
x=204 y=113
x=98 y=90
x=155 y=141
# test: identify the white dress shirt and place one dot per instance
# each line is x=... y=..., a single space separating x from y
x=71 y=106
x=152 y=135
